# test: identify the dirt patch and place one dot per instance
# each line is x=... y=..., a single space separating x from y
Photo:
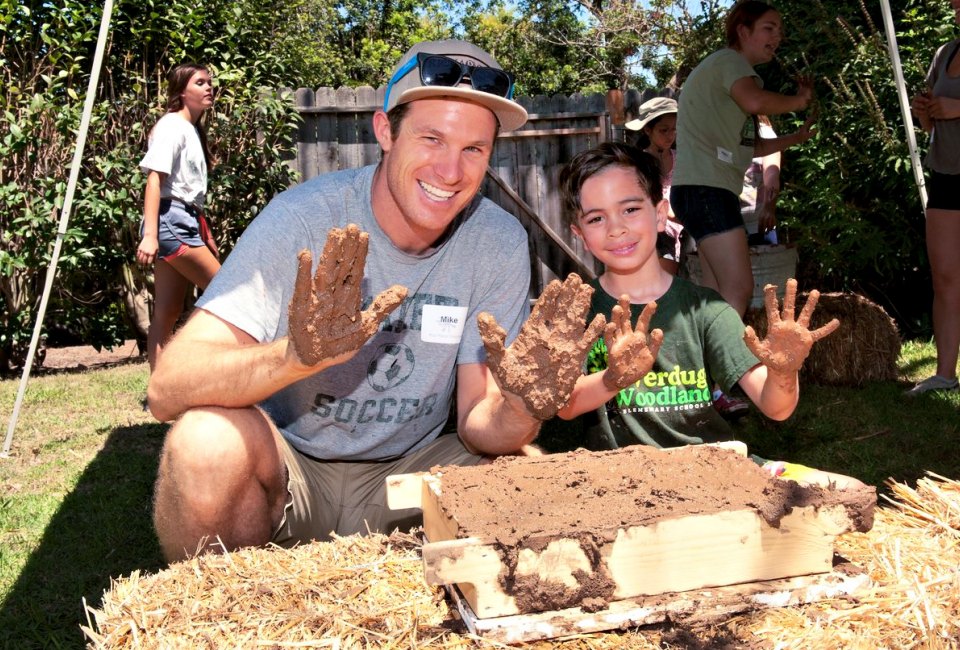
x=86 y=357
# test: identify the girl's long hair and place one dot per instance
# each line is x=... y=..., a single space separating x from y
x=177 y=82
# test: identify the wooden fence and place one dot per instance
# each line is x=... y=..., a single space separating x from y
x=336 y=133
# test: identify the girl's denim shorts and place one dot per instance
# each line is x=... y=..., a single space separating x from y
x=181 y=227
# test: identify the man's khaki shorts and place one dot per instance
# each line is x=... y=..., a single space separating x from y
x=346 y=497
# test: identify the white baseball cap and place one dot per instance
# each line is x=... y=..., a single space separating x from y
x=458 y=69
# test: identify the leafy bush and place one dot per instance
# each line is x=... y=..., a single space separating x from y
x=852 y=203
x=100 y=294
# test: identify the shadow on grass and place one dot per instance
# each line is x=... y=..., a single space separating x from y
x=102 y=530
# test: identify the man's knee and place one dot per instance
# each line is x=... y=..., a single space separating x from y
x=213 y=441
x=219 y=476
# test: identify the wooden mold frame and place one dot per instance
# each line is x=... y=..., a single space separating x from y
x=676 y=555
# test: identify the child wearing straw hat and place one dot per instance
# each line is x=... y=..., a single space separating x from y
x=656 y=126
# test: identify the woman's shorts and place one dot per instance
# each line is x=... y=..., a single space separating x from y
x=705 y=210
x=942 y=191
x=181 y=227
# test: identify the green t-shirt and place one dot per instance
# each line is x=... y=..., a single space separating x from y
x=672 y=404
x=715 y=137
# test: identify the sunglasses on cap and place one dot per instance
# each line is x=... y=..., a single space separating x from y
x=439 y=70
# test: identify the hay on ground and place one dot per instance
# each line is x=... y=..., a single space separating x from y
x=864 y=348
x=369 y=592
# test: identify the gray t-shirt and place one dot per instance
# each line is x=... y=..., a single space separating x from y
x=715 y=137
x=394 y=395
x=944 y=153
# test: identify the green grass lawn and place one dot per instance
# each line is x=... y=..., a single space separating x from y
x=75 y=495
x=74 y=500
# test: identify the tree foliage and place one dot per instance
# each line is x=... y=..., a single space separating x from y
x=47 y=51
x=850 y=202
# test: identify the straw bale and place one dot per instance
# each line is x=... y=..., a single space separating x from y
x=913 y=558
x=863 y=349
x=369 y=592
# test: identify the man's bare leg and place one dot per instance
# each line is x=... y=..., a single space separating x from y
x=221 y=478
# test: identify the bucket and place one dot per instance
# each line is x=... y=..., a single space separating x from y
x=770 y=264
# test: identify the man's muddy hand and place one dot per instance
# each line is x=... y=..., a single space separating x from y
x=544 y=362
x=631 y=351
x=788 y=341
x=324 y=315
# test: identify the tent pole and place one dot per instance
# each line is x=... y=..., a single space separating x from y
x=64 y=217
x=904 y=101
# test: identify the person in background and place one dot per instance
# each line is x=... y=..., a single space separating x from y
x=649 y=383
x=310 y=371
x=656 y=127
x=761 y=187
x=175 y=235
x=716 y=141
x=938 y=110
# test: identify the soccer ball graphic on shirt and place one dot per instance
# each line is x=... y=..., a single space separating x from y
x=390 y=367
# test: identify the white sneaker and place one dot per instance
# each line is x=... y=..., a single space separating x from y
x=936 y=382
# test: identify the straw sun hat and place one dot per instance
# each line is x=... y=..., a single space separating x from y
x=651 y=110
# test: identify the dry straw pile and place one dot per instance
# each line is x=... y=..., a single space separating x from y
x=358 y=592
x=864 y=348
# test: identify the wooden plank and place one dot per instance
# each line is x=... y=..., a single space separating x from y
x=684 y=608
x=367 y=143
x=546 y=132
x=405 y=491
x=437 y=524
x=475 y=568
x=328 y=148
x=545 y=228
x=306 y=136
x=350 y=155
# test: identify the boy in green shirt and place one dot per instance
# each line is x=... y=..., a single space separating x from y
x=653 y=386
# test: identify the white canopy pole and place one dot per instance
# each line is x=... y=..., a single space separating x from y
x=64 y=217
x=904 y=101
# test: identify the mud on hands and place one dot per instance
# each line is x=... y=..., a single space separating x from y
x=788 y=341
x=631 y=352
x=324 y=317
x=544 y=362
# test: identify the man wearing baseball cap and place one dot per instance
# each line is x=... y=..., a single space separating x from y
x=296 y=395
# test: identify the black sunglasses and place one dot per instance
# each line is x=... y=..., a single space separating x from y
x=439 y=70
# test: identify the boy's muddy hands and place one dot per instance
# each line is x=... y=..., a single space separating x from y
x=324 y=315
x=546 y=359
x=630 y=352
x=788 y=342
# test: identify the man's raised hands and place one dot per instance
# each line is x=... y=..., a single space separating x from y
x=324 y=315
x=631 y=352
x=544 y=362
x=788 y=342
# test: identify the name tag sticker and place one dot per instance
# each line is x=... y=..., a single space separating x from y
x=442 y=324
x=724 y=155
